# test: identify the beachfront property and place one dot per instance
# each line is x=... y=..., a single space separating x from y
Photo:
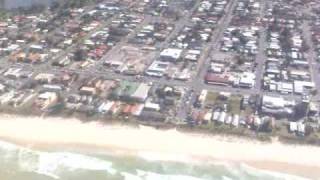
x=130 y=91
x=277 y=105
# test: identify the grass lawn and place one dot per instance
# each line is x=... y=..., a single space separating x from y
x=234 y=104
x=211 y=98
x=247 y=111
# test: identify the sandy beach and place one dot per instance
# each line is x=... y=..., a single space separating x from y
x=37 y=132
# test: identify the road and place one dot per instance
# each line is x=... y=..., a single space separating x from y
x=261 y=56
x=196 y=84
x=311 y=57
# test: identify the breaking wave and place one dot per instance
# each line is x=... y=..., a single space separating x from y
x=146 y=166
x=51 y=164
x=143 y=175
x=228 y=171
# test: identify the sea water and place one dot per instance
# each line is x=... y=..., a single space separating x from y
x=11 y=4
x=20 y=163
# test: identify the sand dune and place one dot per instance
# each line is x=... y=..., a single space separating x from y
x=55 y=131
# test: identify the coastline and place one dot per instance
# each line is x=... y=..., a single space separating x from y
x=294 y=169
x=72 y=134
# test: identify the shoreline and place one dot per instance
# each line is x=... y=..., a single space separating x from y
x=296 y=170
x=287 y=168
x=72 y=134
x=134 y=123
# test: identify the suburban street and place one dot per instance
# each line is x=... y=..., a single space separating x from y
x=210 y=50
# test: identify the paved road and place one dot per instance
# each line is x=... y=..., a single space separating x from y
x=196 y=84
x=261 y=56
x=311 y=57
x=213 y=48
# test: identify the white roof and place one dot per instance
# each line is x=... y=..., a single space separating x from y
x=301 y=127
x=106 y=106
x=149 y=27
x=299 y=73
x=153 y=106
x=36 y=46
x=2 y=87
x=222 y=117
x=300 y=85
x=276 y=102
x=207 y=116
x=216 y=115
x=274 y=46
x=196 y=52
x=293 y=126
x=248 y=78
x=275 y=34
x=47 y=95
x=235 y=120
x=171 y=52
x=13 y=47
x=192 y=57
x=141 y=92
x=287 y=87
x=159 y=66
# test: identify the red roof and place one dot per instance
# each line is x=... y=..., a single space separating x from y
x=211 y=77
x=127 y=109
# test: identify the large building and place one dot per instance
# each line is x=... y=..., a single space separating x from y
x=277 y=105
x=130 y=91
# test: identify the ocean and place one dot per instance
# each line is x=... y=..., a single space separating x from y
x=11 y=4
x=20 y=163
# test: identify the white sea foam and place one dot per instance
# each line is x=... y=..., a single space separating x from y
x=272 y=174
x=155 y=176
x=8 y=152
x=156 y=156
x=75 y=161
x=54 y=164
x=51 y=163
x=129 y=176
x=226 y=178
x=27 y=160
x=47 y=173
x=8 y=146
x=241 y=171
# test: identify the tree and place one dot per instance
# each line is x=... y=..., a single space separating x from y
x=267 y=126
x=240 y=60
x=314 y=92
x=79 y=55
x=55 y=6
x=309 y=130
x=300 y=110
x=305 y=47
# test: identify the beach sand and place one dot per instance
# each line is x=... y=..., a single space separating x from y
x=287 y=168
x=56 y=132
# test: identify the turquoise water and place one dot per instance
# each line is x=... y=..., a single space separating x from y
x=17 y=163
